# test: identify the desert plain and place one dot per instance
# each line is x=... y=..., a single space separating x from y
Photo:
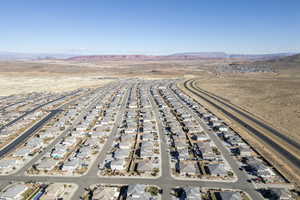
x=272 y=96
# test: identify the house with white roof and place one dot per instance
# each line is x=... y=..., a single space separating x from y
x=22 y=152
x=14 y=192
x=47 y=164
x=84 y=152
x=34 y=143
x=125 y=144
x=69 y=141
x=144 y=166
x=137 y=191
x=117 y=164
x=121 y=153
x=223 y=128
x=5 y=164
x=148 y=137
x=71 y=165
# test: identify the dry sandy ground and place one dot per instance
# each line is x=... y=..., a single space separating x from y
x=275 y=98
x=132 y=68
x=56 y=75
x=16 y=83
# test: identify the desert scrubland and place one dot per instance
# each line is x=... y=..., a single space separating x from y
x=275 y=97
x=15 y=83
x=55 y=75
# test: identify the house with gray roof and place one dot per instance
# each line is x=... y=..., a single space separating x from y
x=217 y=169
x=187 y=167
x=229 y=195
x=144 y=166
x=281 y=193
x=71 y=165
x=192 y=193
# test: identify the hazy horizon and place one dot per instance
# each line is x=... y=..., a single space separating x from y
x=10 y=53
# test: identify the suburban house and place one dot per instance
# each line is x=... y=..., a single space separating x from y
x=217 y=169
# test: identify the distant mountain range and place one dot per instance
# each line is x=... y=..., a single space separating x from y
x=32 y=56
x=201 y=55
x=177 y=56
x=261 y=56
x=180 y=56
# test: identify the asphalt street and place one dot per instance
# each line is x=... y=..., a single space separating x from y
x=281 y=150
x=28 y=133
x=165 y=181
x=33 y=110
x=241 y=176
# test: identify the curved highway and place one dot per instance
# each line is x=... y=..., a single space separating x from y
x=260 y=123
x=293 y=159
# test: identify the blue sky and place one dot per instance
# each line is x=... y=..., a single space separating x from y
x=149 y=26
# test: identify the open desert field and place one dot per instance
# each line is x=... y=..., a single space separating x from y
x=15 y=83
x=24 y=77
x=57 y=75
x=273 y=97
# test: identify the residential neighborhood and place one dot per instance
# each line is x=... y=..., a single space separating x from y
x=77 y=150
x=123 y=192
x=42 y=191
x=136 y=147
x=131 y=139
x=196 y=193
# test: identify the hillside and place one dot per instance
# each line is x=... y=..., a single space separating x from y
x=281 y=63
x=287 y=62
x=271 y=65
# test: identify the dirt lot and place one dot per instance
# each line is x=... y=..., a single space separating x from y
x=273 y=97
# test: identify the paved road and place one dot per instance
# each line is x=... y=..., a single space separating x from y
x=5 y=107
x=27 y=133
x=286 y=154
x=93 y=171
x=59 y=138
x=166 y=181
x=34 y=128
x=33 y=110
x=242 y=177
x=21 y=101
x=165 y=164
x=290 y=141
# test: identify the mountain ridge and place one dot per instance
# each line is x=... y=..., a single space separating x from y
x=181 y=56
x=175 y=56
